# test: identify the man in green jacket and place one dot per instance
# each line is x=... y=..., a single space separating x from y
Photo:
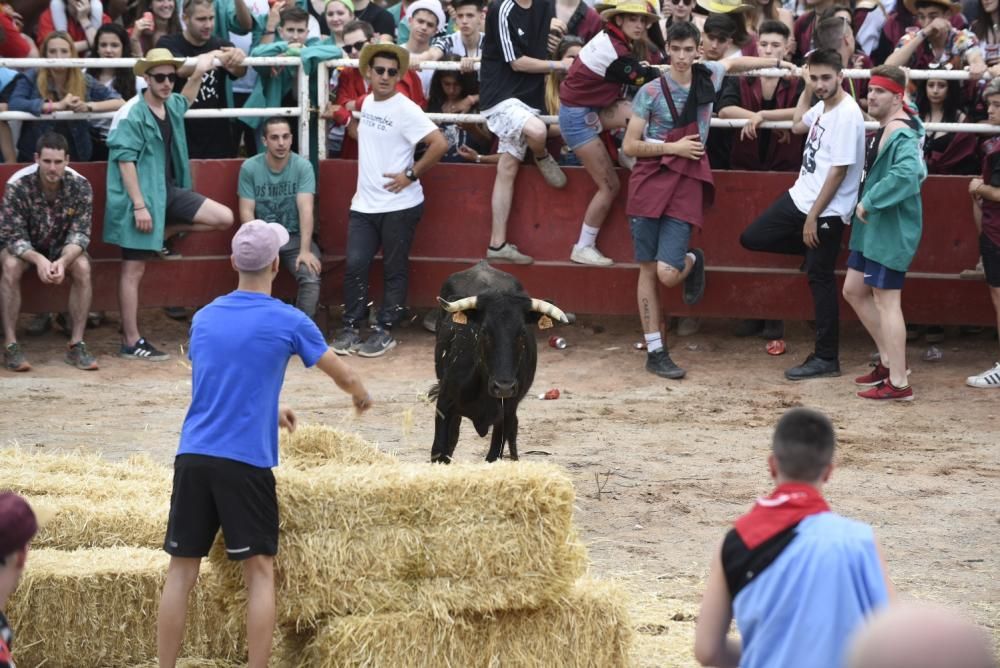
x=886 y=231
x=149 y=182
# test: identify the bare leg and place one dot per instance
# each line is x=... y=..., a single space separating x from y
x=13 y=268
x=503 y=195
x=616 y=116
x=597 y=162
x=669 y=275
x=79 y=297
x=128 y=299
x=210 y=217
x=536 y=133
x=258 y=572
x=890 y=310
x=648 y=298
x=182 y=574
x=861 y=299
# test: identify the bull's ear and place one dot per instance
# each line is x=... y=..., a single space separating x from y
x=545 y=322
x=459 y=318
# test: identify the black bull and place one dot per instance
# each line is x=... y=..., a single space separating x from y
x=485 y=357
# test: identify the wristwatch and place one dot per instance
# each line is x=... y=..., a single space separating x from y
x=410 y=174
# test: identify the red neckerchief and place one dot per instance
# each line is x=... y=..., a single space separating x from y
x=615 y=31
x=787 y=505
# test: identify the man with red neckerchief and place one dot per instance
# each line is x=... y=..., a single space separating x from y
x=798 y=578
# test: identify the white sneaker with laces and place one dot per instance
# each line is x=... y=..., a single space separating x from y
x=589 y=255
x=987 y=379
x=508 y=253
x=551 y=171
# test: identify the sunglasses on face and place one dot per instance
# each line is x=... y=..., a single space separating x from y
x=357 y=46
x=682 y=2
x=160 y=77
x=382 y=71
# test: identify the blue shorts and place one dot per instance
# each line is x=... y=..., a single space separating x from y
x=876 y=275
x=664 y=240
x=579 y=125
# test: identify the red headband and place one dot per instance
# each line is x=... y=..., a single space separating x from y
x=886 y=84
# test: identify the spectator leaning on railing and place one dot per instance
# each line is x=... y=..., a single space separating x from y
x=149 y=181
x=45 y=90
x=79 y=18
x=937 y=41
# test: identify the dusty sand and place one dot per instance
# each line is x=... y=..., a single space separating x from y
x=660 y=467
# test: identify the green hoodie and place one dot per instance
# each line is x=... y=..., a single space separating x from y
x=891 y=198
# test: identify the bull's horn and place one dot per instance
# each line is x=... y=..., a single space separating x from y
x=463 y=304
x=548 y=309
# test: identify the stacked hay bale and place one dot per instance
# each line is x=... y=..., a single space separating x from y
x=380 y=563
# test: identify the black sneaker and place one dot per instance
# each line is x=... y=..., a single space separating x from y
x=378 y=343
x=346 y=342
x=694 y=284
x=814 y=367
x=178 y=313
x=142 y=350
x=659 y=363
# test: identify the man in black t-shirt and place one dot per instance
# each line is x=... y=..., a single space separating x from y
x=514 y=65
x=207 y=137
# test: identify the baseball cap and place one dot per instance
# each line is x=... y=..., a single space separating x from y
x=256 y=244
x=17 y=523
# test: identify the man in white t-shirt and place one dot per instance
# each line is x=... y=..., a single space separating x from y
x=389 y=201
x=809 y=219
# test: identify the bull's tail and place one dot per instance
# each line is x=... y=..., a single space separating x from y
x=433 y=393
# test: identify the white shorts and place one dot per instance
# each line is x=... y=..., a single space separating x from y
x=506 y=120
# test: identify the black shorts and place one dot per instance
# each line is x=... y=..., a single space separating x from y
x=182 y=206
x=210 y=492
x=991 y=260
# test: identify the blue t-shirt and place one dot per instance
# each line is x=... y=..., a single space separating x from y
x=650 y=104
x=240 y=347
x=804 y=607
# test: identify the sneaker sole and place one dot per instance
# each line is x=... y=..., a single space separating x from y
x=126 y=356
x=379 y=353
x=672 y=376
x=19 y=369
x=92 y=367
x=591 y=264
x=982 y=386
x=828 y=374
x=909 y=398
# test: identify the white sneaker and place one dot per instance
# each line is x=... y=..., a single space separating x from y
x=508 y=253
x=551 y=171
x=987 y=379
x=589 y=255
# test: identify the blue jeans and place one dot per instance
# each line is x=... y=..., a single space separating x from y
x=393 y=231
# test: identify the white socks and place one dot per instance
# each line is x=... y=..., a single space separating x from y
x=654 y=342
x=588 y=235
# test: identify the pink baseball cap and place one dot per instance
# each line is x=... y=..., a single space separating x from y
x=17 y=523
x=256 y=244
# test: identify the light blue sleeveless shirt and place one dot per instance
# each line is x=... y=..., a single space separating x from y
x=802 y=609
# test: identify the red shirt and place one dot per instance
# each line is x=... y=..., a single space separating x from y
x=75 y=30
x=14 y=45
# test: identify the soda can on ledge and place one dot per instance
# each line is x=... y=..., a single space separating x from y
x=551 y=394
x=557 y=342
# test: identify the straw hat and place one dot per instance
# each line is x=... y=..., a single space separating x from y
x=639 y=7
x=720 y=6
x=372 y=50
x=155 y=58
x=948 y=7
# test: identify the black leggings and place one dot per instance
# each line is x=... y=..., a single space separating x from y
x=779 y=230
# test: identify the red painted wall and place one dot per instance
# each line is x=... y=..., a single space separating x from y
x=545 y=223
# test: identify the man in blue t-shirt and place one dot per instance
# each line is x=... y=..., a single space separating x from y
x=798 y=578
x=240 y=347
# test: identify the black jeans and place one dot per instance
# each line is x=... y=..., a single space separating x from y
x=779 y=230
x=393 y=231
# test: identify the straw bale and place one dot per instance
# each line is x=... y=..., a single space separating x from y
x=363 y=540
x=73 y=522
x=313 y=445
x=85 y=474
x=588 y=626
x=97 y=607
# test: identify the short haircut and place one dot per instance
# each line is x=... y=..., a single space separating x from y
x=275 y=120
x=54 y=141
x=678 y=32
x=294 y=14
x=992 y=88
x=478 y=4
x=803 y=444
x=721 y=26
x=929 y=4
x=363 y=26
x=388 y=55
x=829 y=33
x=189 y=5
x=827 y=57
x=772 y=27
x=891 y=72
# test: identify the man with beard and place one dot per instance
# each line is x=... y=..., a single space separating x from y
x=809 y=219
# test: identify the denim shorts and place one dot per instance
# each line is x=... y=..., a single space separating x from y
x=664 y=239
x=579 y=125
x=876 y=275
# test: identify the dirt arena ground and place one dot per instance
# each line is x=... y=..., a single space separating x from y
x=660 y=467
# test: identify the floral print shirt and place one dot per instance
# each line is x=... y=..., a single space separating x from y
x=959 y=45
x=31 y=221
